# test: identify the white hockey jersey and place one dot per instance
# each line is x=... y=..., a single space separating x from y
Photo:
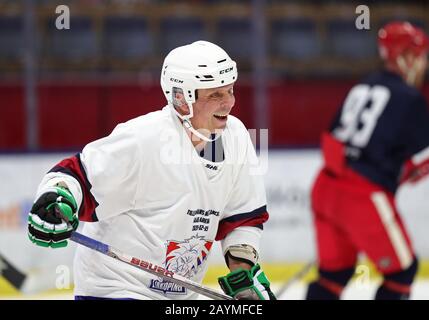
x=151 y=195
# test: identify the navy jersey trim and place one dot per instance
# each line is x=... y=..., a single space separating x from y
x=73 y=167
x=255 y=218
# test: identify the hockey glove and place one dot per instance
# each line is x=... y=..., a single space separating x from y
x=52 y=218
x=247 y=284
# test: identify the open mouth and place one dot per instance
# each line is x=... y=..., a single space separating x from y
x=221 y=116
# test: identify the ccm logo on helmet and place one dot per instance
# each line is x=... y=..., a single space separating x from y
x=176 y=80
x=226 y=70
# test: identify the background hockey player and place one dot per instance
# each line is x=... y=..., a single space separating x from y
x=164 y=186
x=379 y=138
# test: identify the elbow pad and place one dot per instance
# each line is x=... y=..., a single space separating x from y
x=243 y=253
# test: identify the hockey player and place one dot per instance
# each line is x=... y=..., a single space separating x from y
x=379 y=139
x=164 y=186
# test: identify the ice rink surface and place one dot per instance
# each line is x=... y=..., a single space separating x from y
x=355 y=291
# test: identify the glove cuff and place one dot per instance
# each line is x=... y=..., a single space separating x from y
x=247 y=284
x=236 y=281
x=240 y=281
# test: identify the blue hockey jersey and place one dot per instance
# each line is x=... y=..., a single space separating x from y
x=383 y=122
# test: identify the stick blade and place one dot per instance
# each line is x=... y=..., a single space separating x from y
x=11 y=274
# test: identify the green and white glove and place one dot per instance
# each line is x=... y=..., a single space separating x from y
x=245 y=284
x=53 y=218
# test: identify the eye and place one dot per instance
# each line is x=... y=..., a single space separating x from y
x=215 y=95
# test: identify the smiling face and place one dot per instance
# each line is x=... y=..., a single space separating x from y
x=211 y=109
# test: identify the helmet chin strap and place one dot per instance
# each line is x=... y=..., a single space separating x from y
x=186 y=120
x=188 y=125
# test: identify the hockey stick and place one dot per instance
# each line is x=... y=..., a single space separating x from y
x=35 y=281
x=147 y=266
x=15 y=277
x=301 y=273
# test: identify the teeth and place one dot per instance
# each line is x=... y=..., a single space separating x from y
x=221 y=115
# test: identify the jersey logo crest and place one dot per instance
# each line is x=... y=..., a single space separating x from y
x=186 y=258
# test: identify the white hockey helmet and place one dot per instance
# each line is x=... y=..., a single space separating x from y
x=199 y=65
